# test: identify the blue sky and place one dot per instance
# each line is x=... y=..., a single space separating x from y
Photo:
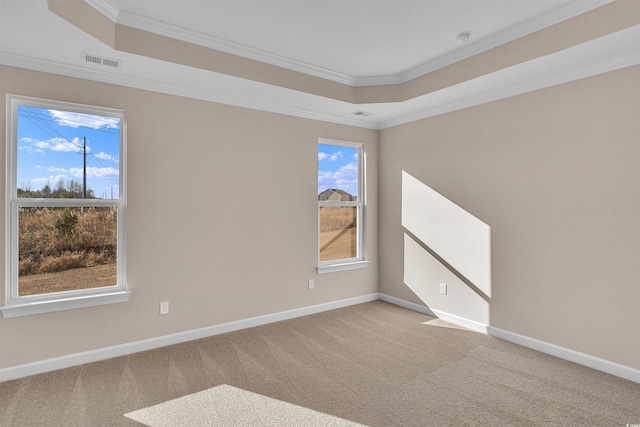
x=337 y=168
x=50 y=148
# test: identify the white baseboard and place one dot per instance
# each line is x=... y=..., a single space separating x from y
x=460 y=321
x=603 y=365
x=406 y=304
x=68 y=361
x=62 y=362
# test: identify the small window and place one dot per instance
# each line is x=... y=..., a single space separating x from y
x=65 y=206
x=340 y=206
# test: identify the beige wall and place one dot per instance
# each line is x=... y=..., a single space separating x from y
x=556 y=175
x=204 y=230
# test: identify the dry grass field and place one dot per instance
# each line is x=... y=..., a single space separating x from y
x=63 y=249
x=338 y=233
x=338 y=244
x=68 y=280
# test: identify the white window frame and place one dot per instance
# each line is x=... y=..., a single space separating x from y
x=359 y=261
x=16 y=305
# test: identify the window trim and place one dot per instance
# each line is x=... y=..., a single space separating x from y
x=358 y=261
x=16 y=305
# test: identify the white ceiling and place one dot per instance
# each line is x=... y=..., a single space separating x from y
x=357 y=42
x=356 y=38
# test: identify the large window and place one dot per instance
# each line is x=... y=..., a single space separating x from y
x=340 y=205
x=65 y=206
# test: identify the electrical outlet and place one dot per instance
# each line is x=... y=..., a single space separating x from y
x=443 y=288
x=311 y=284
x=164 y=307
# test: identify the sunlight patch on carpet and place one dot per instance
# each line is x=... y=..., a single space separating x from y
x=444 y=324
x=225 y=405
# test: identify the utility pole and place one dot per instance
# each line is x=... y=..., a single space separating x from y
x=84 y=168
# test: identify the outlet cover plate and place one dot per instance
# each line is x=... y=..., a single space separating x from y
x=443 y=288
x=164 y=307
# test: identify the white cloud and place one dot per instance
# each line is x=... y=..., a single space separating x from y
x=55 y=169
x=53 y=144
x=345 y=178
x=326 y=177
x=335 y=156
x=331 y=156
x=31 y=149
x=96 y=172
x=104 y=156
x=52 y=180
x=348 y=171
x=76 y=120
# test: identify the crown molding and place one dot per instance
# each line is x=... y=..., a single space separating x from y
x=216 y=43
x=122 y=17
x=106 y=7
x=564 y=12
x=53 y=67
x=608 y=53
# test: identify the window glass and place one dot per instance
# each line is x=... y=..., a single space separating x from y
x=338 y=233
x=66 y=249
x=65 y=201
x=339 y=202
x=63 y=154
x=338 y=171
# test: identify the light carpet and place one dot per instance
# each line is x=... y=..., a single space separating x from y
x=375 y=364
x=225 y=405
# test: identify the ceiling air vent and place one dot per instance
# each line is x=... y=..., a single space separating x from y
x=361 y=113
x=95 y=59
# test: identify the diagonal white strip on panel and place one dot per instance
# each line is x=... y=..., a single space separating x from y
x=456 y=236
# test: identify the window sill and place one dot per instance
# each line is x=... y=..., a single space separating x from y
x=331 y=268
x=48 y=306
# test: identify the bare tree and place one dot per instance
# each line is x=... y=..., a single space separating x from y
x=26 y=185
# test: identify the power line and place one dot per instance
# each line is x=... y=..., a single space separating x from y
x=70 y=122
x=43 y=122
x=49 y=131
x=40 y=119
